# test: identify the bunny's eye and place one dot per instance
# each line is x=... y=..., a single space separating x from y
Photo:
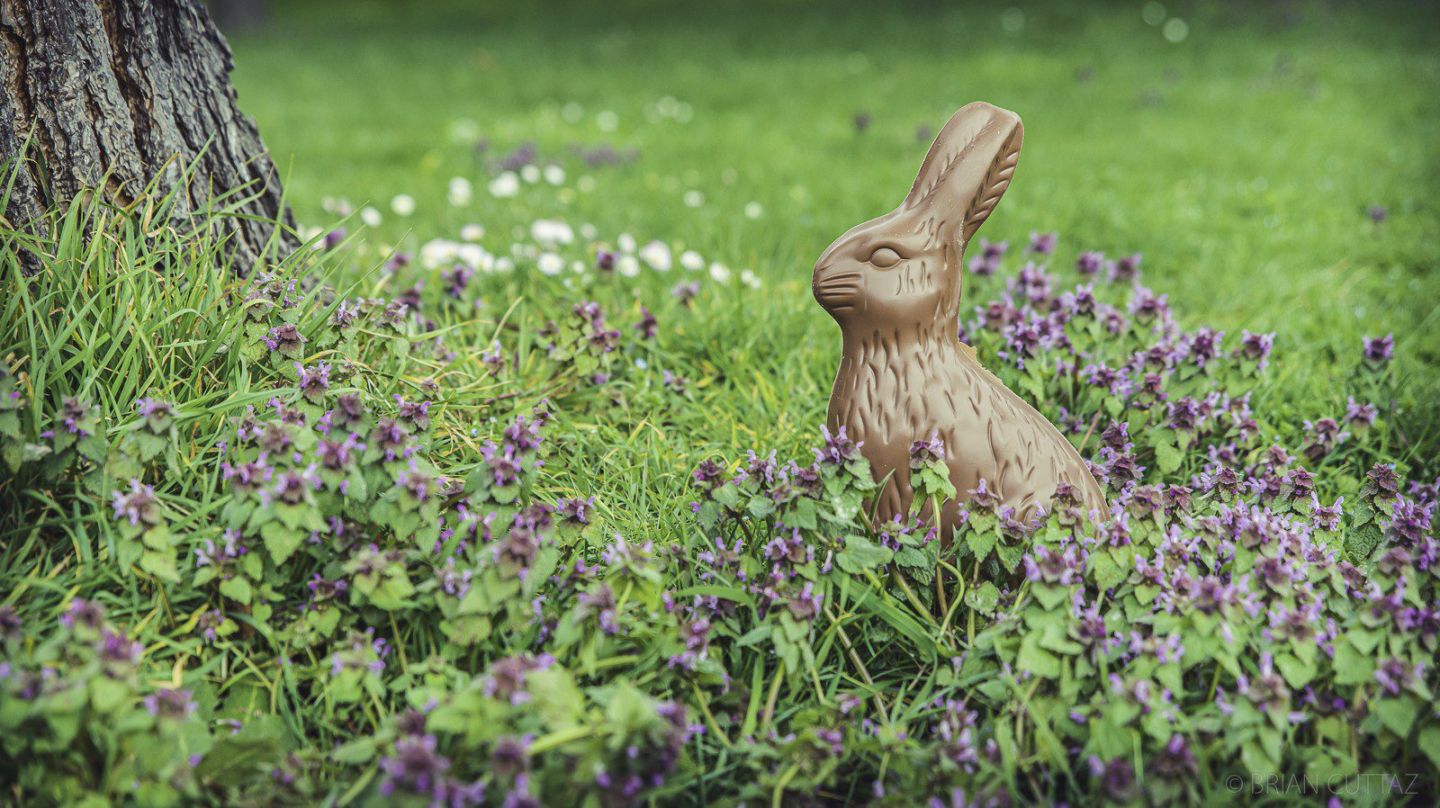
x=884 y=257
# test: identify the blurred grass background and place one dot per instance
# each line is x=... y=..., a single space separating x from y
x=1240 y=146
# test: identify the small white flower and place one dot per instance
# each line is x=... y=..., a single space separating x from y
x=403 y=204
x=472 y=232
x=572 y=112
x=475 y=256
x=754 y=210
x=588 y=231
x=657 y=255
x=555 y=175
x=720 y=272
x=530 y=174
x=551 y=232
x=750 y=279
x=607 y=121
x=641 y=363
x=550 y=263
x=694 y=199
x=628 y=266
x=505 y=185
x=460 y=192
x=504 y=265
x=464 y=130
x=578 y=267
x=438 y=252
x=692 y=261
x=626 y=243
x=585 y=184
x=370 y=216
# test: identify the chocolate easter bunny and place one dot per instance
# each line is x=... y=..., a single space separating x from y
x=893 y=285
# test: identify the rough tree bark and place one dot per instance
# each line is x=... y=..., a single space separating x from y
x=139 y=89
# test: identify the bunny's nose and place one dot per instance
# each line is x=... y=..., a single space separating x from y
x=835 y=289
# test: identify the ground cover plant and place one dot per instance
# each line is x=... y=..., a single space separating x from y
x=541 y=512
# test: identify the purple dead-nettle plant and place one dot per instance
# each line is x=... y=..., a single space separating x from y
x=157 y=414
x=138 y=505
x=1379 y=350
x=313 y=382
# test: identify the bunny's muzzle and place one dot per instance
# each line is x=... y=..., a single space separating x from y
x=836 y=289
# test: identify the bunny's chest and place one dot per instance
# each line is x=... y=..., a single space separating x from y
x=891 y=404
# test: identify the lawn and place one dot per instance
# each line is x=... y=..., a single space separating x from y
x=1242 y=161
x=510 y=487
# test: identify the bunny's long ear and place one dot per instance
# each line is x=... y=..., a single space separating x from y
x=967 y=170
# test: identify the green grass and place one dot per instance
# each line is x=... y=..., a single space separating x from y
x=1240 y=161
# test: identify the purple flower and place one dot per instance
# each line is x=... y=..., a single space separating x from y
x=510 y=756
x=576 y=510
x=1044 y=564
x=138 y=506
x=85 y=614
x=1042 y=243
x=805 y=605
x=685 y=292
x=247 y=477
x=77 y=416
x=286 y=340
x=926 y=452
x=415 y=413
x=1090 y=263
x=1379 y=350
x=600 y=602
x=839 y=449
x=1396 y=674
x=457 y=279
x=709 y=474
x=414 y=766
x=1257 y=347
x=648 y=325
x=118 y=653
x=1357 y=414
x=170 y=704
x=506 y=680
x=158 y=414
x=1126 y=269
x=1116 y=778
x=605 y=260
x=1377 y=213
x=313 y=382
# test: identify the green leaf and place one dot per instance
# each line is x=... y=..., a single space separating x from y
x=360 y=750
x=160 y=564
x=1037 y=660
x=1351 y=666
x=1397 y=714
x=1168 y=457
x=236 y=589
x=983 y=598
x=1430 y=743
x=107 y=695
x=555 y=697
x=980 y=542
x=1050 y=595
x=1297 y=673
x=281 y=541
x=860 y=554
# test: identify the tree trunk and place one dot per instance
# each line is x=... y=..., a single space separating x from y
x=117 y=94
